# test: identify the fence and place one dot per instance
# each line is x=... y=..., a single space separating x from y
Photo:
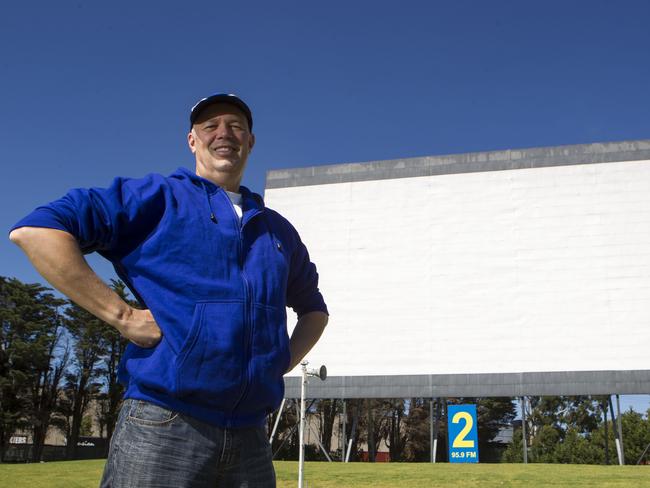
x=89 y=449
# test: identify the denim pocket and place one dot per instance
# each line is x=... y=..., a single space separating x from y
x=211 y=363
x=146 y=413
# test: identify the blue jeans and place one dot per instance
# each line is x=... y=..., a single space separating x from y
x=155 y=447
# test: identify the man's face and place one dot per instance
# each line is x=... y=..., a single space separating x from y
x=221 y=142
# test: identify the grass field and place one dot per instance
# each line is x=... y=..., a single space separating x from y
x=86 y=474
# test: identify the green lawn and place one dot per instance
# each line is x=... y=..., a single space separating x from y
x=84 y=474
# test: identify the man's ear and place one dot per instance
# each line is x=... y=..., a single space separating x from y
x=191 y=141
x=251 y=142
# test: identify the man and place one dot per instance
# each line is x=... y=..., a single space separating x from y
x=214 y=270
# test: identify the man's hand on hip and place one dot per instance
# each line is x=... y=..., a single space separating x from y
x=140 y=327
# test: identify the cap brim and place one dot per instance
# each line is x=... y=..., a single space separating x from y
x=221 y=98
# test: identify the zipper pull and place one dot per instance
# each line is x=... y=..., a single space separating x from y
x=213 y=218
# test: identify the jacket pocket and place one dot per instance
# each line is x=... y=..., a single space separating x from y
x=211 y=364
x=269 y=361
x=152 y=368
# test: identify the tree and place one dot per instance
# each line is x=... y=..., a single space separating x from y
x=515 y=451
x=113 y=346
x=577 y=448
x=14 y=370
x=416 y=424
x=636 y=435
x=582 y=412
x=32 y=363
x=395 y=435
x=377 y=421
x=573 y=430
x=493 y=415
x=355 y=424
x=543 y=411
x=328 y=411
x=286 y=442
x=87 y=333
x=86 y=427
x=543 y=447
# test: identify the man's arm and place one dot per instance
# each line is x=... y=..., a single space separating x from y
x=56 y=256
x=305 y=335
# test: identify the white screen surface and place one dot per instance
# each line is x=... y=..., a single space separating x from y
x=541 y=269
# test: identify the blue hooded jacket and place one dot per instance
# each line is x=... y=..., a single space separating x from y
x=218 y=289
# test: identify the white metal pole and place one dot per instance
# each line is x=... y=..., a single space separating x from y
x=643 y=454
x=432 y=455
x=620 y=427
x=277 y=421
x=301 y=452
x=435 y=432
x=345 y=426
x=523 y=429
x=355 y=420
x=619 y=451
x=347 y=455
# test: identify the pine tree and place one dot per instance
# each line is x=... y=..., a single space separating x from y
x=32 y=362
x=395 y=435
x=82 y=386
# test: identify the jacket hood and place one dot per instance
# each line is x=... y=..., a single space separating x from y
x=250 y=199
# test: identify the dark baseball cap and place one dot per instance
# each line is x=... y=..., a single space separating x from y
x=221 y=98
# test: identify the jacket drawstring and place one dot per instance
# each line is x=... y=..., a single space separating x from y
x=213 y=217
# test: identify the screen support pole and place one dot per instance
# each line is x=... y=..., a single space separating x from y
x=345 y=426
x=616 y=432
x=620 y=426
x=434 y=429
x=523 y=428
x=277 y=420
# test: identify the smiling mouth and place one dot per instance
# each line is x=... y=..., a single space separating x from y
x=225 y=150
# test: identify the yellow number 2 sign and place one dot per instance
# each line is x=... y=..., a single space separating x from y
x=463 y=434
x=460 y=440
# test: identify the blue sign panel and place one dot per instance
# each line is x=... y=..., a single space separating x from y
x=463 y=435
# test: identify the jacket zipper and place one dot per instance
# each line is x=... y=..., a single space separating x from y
x=248 y=319
x=248 y=330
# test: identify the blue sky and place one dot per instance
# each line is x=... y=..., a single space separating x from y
x=91 y=90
